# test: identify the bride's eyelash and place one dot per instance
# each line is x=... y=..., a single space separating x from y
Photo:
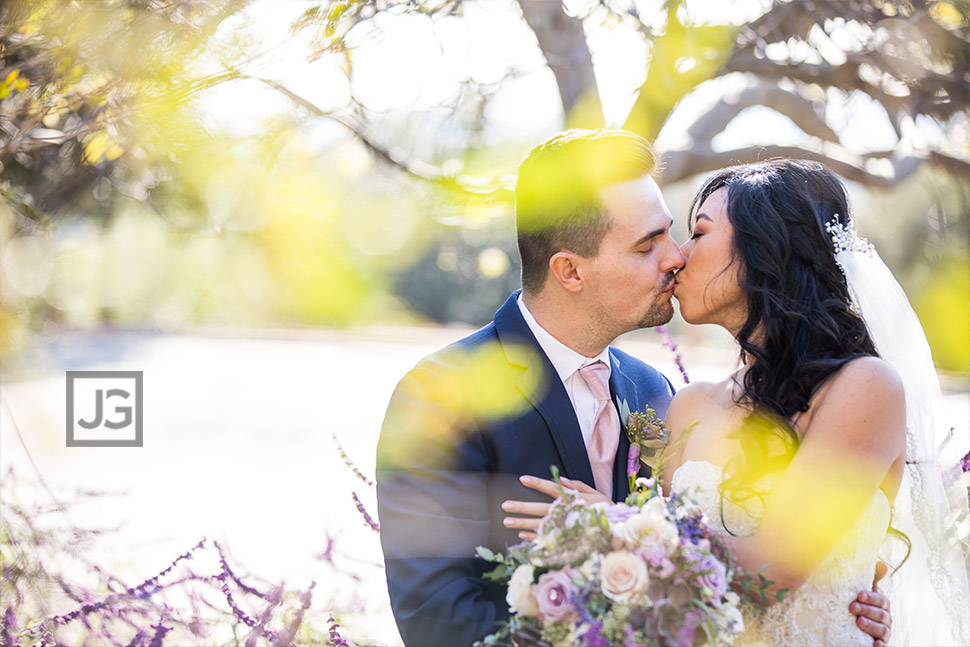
x=696 y=235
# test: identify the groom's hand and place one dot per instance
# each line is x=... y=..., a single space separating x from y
x=871 y=609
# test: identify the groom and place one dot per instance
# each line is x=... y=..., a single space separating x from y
x=533 y=389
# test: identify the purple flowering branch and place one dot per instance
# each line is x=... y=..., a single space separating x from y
x=143 y=590
x=137 y=616
x=965 y=463
x=160 y=631
x=335 y=638
x=363 y=512
x=287 y=634
x=669 y=343
x=349 y=463
x=224 y=566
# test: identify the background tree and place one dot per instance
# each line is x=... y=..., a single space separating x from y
x=344 y=206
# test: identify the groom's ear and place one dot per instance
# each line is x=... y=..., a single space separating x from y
x=564 y=267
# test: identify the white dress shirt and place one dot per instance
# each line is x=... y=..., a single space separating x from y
x=567 y=363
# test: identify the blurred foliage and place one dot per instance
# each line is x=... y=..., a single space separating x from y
x=59 y=586
x=125 y=201
x=120 y=204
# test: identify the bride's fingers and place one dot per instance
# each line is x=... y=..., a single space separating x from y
x=522 y=523
x=579 y=486
x=526 y=508
x=588 y=494
x=540 y=485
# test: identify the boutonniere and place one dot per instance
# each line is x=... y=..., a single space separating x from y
x=648 y=436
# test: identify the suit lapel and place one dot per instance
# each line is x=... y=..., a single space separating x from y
x=622 y=387
x=550 y=400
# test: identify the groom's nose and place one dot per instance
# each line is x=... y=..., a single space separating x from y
x=673 y=259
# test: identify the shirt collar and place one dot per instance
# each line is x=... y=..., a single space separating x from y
x=564 y=359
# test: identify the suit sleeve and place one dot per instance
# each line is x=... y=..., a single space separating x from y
x=433 y=505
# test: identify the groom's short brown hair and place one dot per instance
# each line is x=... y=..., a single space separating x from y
x=557 y=203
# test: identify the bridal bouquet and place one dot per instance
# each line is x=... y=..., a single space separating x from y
x=646 y=572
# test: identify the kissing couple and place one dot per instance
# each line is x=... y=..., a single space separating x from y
x=828 y=358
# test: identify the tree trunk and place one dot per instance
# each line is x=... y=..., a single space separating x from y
x=563 y=44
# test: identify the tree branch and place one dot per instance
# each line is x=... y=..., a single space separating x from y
x=563 y=43
x=791 y=104
x=883 y=168
x=478 y=187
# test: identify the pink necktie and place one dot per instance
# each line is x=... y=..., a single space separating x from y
x=606 y=427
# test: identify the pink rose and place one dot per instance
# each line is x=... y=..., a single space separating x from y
x=554 y=597
x=624 y=576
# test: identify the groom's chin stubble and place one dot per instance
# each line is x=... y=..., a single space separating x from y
x=658 y=315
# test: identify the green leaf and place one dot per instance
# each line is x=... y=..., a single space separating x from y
x=485 y=554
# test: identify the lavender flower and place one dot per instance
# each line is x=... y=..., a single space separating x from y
x=160 y=631
x=335 y=638
x=592 y=637
x=669 y=343
x=224 y=565
x=9 y=622
x=349 y=463
x=965 y=463
x=686 y=635
x=363 y=512
x=633 y=461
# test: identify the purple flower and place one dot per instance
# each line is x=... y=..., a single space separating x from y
x=592 y=637
x=633 y=460
x=687 y=636
x=712 y=576
x=965 y=462
x=669 y=343
x=335 y=638
x=363 y=512
x=616 y=513
x=554 y=595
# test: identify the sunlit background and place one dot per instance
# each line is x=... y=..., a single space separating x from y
x=275 y=208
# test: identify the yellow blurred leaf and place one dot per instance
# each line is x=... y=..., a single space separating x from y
x=946 y=15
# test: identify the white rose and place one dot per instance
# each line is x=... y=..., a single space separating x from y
x=623 y=576
x=732 y=617
x=649 y=526
x=520 y=596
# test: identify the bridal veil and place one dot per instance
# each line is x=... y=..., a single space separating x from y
x=929 y=594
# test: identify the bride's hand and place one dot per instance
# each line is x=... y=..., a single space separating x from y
x=534 y=512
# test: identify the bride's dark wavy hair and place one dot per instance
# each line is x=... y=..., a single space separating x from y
x=797 y=297
x=800 y=327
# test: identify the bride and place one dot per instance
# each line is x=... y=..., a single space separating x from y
x=817 y=455
x=799 y=455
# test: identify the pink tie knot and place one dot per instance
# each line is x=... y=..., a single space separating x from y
x=597 y=376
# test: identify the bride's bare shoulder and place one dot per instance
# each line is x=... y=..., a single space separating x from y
x=863 y=399
x=873 y=378
x=700 y=395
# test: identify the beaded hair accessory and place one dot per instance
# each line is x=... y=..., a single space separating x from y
x=845 y=238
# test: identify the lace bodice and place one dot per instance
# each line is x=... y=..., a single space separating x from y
x=817 y=613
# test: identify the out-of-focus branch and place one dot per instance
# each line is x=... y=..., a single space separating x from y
x=563 y=43
x=480 y=187
x=791 y=104
x=883 y=168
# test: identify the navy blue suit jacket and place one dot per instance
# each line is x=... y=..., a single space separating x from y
x=460 y=429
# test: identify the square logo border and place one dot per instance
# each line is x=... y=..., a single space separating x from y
x=139 y=379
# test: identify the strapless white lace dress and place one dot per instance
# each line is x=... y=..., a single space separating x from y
x=818 y=612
